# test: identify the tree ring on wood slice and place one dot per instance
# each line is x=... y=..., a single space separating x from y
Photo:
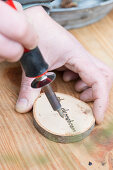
x=51 y=125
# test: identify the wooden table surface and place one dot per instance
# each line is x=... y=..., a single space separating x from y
x=22 y=147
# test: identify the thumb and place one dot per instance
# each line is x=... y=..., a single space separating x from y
x=27 y=95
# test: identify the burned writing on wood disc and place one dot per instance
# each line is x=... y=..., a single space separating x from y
x=70 y=122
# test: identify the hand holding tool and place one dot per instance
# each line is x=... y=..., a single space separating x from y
x=35 y=66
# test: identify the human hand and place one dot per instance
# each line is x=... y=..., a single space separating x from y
x=15 y=33
x=60 y=48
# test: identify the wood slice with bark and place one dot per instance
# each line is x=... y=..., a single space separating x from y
x=51 y=125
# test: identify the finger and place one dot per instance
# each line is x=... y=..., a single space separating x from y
x=80 y=86
x=101 y=96
x=69 y=75
x=107 y=71
x=94 y=78
x=9 y=49
x=14 y=25
x=27 y=95
x=99 y=108
x=87 y=95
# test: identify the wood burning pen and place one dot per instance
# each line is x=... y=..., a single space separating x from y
x=35 y=66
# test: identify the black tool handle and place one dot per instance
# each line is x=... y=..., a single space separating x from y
x=33 y=63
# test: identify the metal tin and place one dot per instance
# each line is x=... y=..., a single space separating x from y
x=87 y=12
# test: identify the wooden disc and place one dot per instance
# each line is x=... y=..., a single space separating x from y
x=50 y=124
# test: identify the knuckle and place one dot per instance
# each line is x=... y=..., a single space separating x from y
x=22 y=31
x=26 y=86
x=108 y=74
x=26 y=82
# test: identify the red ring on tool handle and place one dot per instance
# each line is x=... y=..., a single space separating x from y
x=40 y=75
x=10 y=3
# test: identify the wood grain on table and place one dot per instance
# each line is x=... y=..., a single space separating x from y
x=22 y=147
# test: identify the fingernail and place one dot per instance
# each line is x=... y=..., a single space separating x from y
x=21 y=105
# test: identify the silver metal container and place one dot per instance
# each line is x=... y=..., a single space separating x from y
x=87 y=12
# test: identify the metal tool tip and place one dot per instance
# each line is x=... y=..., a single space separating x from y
x=60 y=112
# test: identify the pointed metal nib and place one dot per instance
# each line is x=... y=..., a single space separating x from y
x=60 y=112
